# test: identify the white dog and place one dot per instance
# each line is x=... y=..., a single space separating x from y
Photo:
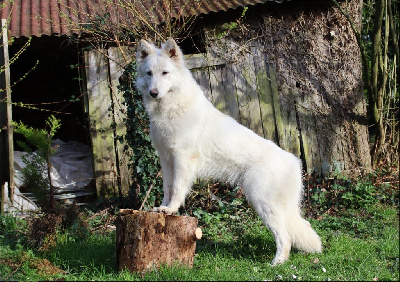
x=195 y=140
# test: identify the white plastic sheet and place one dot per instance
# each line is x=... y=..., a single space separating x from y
x=72 y=165
x=71 y=169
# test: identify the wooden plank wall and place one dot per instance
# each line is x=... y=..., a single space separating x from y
x=247 y=90
x=240 y=83
x=245 y=87
x=247 y=94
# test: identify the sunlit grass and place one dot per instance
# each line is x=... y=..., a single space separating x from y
x=358 y=245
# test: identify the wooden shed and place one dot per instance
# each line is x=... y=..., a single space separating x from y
x=290 y=71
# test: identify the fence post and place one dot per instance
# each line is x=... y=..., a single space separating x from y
x=6 y=131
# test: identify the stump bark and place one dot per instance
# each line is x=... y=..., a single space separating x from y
x=148 y=239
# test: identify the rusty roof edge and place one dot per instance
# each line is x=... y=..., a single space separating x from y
x=24 y=24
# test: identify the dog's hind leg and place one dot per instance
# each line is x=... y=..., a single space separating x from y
x=275 y=221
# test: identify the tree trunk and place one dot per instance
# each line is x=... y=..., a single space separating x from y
x=148 y=239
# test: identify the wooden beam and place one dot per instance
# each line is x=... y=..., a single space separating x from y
x=101 y=120
x=6 y=131
x=197 y=61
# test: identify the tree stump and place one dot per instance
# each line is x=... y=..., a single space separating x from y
x=147 y=239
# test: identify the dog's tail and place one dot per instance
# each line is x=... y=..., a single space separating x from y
x=302 y=234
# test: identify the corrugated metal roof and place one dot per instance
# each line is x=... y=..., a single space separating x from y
x=59 y=17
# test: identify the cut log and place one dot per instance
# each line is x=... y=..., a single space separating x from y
x=148 y=239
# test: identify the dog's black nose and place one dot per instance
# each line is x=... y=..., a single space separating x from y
x=154 y=93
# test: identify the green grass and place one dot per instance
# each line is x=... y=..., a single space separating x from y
x=358 y=245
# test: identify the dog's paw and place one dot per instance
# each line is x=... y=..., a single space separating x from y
x=278 y=261
x=157 y=209
x=164 y=209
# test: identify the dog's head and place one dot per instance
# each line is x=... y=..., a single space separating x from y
x=158 y=69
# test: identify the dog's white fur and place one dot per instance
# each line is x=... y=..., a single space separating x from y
x=195 y=140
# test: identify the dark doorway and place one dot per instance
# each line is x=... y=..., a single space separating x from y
x=46 y=80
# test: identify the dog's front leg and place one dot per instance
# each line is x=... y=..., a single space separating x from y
x=183 y=176
x=167 y=174
x=167 y=170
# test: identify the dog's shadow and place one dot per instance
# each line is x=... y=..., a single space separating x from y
x=258 y=247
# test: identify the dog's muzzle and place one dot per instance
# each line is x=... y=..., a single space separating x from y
x=153 y=93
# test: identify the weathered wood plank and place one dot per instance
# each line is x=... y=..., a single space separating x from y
x=197 y=61
x=100 y=123
x=232 y=107
x=217 y=79
x=119 y=57
x=217 y=89
x=241 y=94
x=202 y=78
x=265 y=97
x=279 y=126
x=249 y=74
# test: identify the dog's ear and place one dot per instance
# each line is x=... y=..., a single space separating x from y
x=173 y=51
x=143 y=50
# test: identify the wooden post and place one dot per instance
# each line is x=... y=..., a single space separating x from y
x=101 y=131
x=6 y=131
x=148 y=239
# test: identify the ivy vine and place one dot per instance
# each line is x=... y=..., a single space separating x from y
x=144 y=162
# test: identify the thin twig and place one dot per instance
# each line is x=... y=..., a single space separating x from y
x=148 y=191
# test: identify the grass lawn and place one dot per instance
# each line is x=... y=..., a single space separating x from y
x=358 y=245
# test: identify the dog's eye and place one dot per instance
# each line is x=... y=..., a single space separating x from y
x=149 y=73
x=164 y=72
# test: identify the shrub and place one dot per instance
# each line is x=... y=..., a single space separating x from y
x=38 y=145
